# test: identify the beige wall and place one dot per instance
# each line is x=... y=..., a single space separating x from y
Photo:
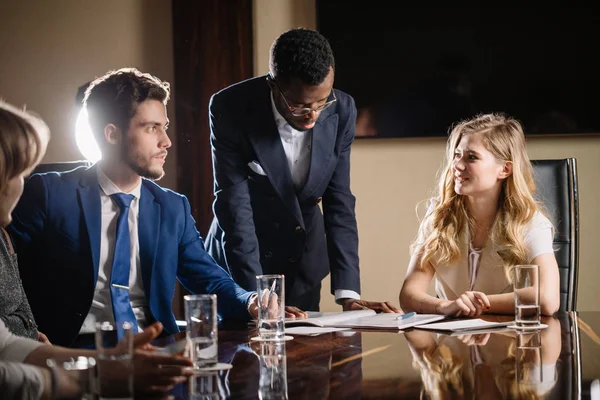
x=50 y=48
x=390 y=176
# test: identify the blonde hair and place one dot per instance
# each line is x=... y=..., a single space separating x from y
x=447 y=218
x=23 y=140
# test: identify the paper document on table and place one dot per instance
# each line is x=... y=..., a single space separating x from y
x=323 y=319
x=367 y=319
x=465 y=325
x=390 y=321
x=311 y=330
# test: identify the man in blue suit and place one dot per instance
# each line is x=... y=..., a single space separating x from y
x=281 y=146
x=80 y=261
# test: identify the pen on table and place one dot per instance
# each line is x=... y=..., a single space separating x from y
x=407 y=315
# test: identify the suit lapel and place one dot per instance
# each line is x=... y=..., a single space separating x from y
x=89 y=198
x=148 y=228
x=323 y=142
x=265 y=139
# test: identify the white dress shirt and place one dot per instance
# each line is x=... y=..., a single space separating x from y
x=101 y=309
x=297 y=146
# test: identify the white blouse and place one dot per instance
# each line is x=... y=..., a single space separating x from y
x=474 y=258
x=483 y=270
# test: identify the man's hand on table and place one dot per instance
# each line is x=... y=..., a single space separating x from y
x=290 y=312
x=384 y=306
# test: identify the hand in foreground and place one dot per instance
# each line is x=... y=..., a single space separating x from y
x=157 y=372
x=469 y=304
x=385 y=306
x=154 y=373
x=43 y=338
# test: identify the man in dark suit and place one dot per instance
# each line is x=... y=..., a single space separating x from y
x=280 y=147
x=80 y=261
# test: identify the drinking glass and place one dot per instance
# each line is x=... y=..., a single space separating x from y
x=271 y=306
x=114 y=360
x=85 y=368
x=201 y=331
x=527 y=295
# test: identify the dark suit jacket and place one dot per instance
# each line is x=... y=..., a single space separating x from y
x=262 y=224
x=56 y=233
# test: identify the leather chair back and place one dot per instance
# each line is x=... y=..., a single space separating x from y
x=556 y=189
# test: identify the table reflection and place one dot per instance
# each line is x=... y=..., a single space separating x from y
x=501 y=365
x=553 y=363
x=272 y=383
x=207 y=386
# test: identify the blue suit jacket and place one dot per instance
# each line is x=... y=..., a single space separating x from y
x=56 y=233
x=262 y=223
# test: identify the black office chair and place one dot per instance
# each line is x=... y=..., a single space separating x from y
x=61 y=166
x=556 y=184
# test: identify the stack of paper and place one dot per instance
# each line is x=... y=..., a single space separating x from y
x=367 y=319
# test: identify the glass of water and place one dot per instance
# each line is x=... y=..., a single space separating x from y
x=271 y=306
x=201 y=331
x=527 y=295
x=84 y=369
x=114 y=360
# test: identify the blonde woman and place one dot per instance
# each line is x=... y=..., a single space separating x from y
x=483 y=221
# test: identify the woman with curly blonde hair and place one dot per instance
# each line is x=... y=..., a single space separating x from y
x=483 y=221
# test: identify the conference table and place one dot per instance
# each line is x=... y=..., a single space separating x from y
x=561 y=361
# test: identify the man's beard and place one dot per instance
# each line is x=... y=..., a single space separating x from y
x=139 y=168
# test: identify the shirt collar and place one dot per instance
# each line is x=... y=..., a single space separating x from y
x=279 y=120
x=109 y=188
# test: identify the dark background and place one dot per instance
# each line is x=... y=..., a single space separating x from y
x=415 y=70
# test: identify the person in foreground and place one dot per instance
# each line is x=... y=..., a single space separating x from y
x=106 y=243
x=281 y=145
x=483 y=221
x=15 y=311
x=23 y=141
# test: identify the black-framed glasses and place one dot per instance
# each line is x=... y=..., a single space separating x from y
x=299 y=112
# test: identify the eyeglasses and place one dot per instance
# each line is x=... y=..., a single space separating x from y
x=299 y=112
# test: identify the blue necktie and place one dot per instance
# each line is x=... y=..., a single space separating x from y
x=119 y=277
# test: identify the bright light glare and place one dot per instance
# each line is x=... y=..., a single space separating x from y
x=85 y=139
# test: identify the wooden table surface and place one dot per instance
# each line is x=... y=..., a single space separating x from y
x=560 y=362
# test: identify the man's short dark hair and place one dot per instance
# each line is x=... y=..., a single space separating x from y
x=301 y=53
x=114 y=98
